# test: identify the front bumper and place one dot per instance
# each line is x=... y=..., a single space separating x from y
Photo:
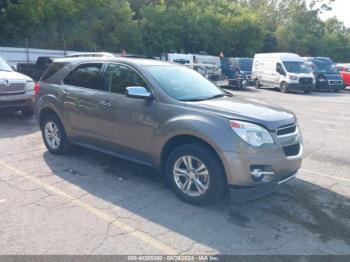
x=16 y=102
x=241 y=82
x=238 y=166
x=326 y=86
x=268 y=164
x=300 y=87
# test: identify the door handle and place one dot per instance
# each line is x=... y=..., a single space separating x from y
x=105 y=103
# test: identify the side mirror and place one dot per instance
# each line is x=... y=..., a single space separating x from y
x=138 y=92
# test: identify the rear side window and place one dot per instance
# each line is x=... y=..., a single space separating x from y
x=52 y=69
x=85 y=75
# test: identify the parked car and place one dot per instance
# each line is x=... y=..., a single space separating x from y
x=344 y=70
x=206 y=65
x=285 y=71
x=238 y=70
x=168 y=116
x=327 y=76
x=17 y=91
x=36 y=70
x=215 y=75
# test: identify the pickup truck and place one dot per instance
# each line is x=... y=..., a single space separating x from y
x=36 y=70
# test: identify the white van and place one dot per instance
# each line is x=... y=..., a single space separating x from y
x=285 y=71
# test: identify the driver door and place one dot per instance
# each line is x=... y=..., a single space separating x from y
x=129 y=122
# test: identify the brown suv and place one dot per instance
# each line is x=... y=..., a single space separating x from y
x=167 y=116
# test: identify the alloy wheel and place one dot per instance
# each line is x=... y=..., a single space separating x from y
x=52 y=135
x=191 y=176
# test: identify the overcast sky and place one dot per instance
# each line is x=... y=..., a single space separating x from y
x=341 y=10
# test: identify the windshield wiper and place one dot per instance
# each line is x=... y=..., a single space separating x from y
x=219 y=95
x=205 y=98
x=192 y=99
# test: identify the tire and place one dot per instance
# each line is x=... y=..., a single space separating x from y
x=283 y=88
x=212 y=183
x=58 y=144
x=257 y=84
x=28 y=112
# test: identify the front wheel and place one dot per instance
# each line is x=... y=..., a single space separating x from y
x=195 y=174
x=257 y=84
x=284 y=88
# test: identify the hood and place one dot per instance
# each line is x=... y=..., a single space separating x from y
x=12 y=75
x=335 y=76
x=248 y=109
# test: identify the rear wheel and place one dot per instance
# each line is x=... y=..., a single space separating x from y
x=54 y=136
x=195 y=174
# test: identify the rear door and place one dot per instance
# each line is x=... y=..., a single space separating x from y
x=82 y=94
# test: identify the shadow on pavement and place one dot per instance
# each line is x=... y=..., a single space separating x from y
x=298 y=215
x=15 y=124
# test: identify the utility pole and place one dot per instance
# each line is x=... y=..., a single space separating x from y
x=27 y=49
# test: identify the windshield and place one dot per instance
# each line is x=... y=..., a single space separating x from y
x=4 y=66
x=184 y=84
x=325 y=66
x=296 y=67
x=245 y=64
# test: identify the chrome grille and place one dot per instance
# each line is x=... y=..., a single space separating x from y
x=286 y=130
x=12 y=86
x=305 y=80
x=290 y=139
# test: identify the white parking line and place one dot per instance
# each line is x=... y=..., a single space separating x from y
x=325 y=175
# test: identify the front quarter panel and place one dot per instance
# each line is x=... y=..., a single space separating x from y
x=176 y=120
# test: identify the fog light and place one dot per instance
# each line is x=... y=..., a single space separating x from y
x=257 y=174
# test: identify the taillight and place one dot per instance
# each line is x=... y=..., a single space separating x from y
x=36 y=88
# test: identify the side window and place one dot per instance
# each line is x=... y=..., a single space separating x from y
x=86 y=75
x=279 y=69
x=52 y=69
x=119 y=77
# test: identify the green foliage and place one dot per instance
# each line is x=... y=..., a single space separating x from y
x=236 y=27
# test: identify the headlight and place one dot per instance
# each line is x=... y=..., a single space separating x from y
x=30 y=85
x=253 y=134
x=293 y=77
x=322 y=79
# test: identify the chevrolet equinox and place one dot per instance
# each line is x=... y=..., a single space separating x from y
x=203 y=139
